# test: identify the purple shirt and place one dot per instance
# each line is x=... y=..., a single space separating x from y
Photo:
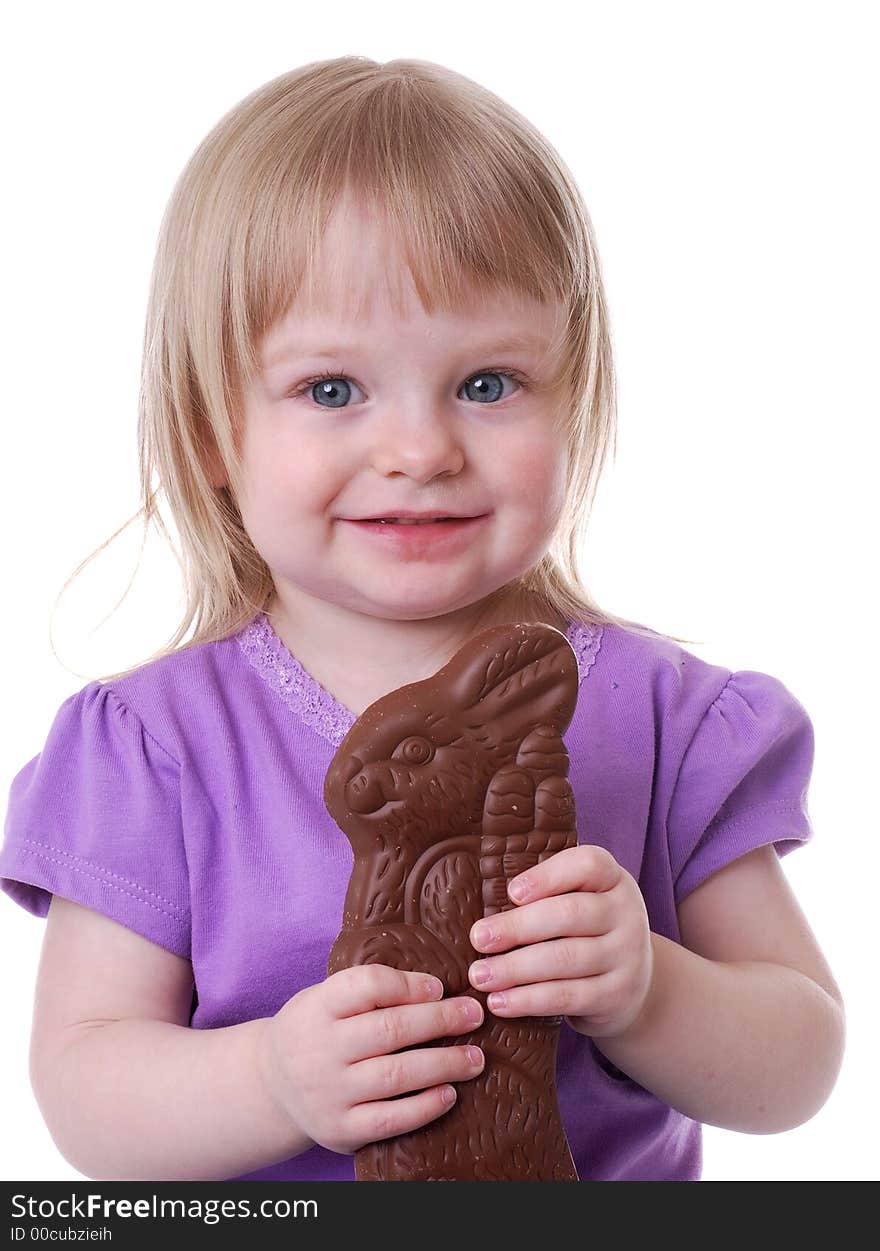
x=185 y=802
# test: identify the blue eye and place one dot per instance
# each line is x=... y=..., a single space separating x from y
x=331 y=392
x=486 y=388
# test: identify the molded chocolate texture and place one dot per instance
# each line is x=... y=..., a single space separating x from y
x=447 y=789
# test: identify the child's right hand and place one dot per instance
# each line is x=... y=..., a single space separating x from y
x=326 y=1056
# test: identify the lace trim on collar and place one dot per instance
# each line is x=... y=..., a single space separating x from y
x=315 y=705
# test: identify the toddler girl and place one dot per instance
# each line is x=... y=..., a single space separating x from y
x=378 y=394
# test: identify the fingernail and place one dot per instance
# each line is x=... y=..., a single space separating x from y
x=519 y=889
x=447 y=1094
x=473 y=1012
x=481 y=973
x=496 y=1000
x=474 y=1055
x=482 y=934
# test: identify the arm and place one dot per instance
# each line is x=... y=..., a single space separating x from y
x=127 y=1089
x=743 y=1025
x=130 y=1092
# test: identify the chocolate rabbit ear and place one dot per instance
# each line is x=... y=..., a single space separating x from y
x=523 y=672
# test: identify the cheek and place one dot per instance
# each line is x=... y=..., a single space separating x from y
x=261 y=484
x=284 y=473
x=536 y=475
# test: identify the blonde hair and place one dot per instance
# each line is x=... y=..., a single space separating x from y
x=475 y=194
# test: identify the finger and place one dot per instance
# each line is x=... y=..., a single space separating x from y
x=587 y=867
x=577 y=914
x=386 y=1030
x=368 y=986
x=385 y=1077
x=371 y=1122
x=557 y=960
x=582 y=997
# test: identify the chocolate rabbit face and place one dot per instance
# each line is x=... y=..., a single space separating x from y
x=421 y=757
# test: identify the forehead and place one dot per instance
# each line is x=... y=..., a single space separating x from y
x=360 y=277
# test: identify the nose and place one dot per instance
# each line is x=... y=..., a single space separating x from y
x=418 y=441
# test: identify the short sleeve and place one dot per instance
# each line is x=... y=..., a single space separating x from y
x=743 y=780
x=96 y=818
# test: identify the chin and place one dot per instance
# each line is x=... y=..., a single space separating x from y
x=421 y=607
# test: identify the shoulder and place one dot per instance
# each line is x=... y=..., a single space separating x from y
x=644 y=679
x=179 y=693
x=640 y=668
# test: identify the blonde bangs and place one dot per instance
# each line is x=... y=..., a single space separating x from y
x=399 y=139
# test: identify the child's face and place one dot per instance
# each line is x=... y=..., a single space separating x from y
x=405 y=426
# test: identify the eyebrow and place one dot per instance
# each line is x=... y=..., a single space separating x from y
x=509 y=343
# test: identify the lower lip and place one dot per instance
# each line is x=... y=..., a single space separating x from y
x=433 y=538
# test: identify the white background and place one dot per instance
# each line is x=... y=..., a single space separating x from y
x=727 y=154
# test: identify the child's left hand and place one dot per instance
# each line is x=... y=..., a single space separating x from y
x=583 y=945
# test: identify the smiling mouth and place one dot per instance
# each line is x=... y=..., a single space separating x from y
x=387 y=523
x=412 y=518
x=440 y=535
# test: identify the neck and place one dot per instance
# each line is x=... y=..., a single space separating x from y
x=359 y=658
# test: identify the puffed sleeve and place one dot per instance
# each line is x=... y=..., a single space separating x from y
x=96 y=818
x=743 y=780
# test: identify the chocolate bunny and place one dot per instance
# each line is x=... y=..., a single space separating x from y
x=447 y=789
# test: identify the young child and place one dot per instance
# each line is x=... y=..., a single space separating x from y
x=378 y=394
